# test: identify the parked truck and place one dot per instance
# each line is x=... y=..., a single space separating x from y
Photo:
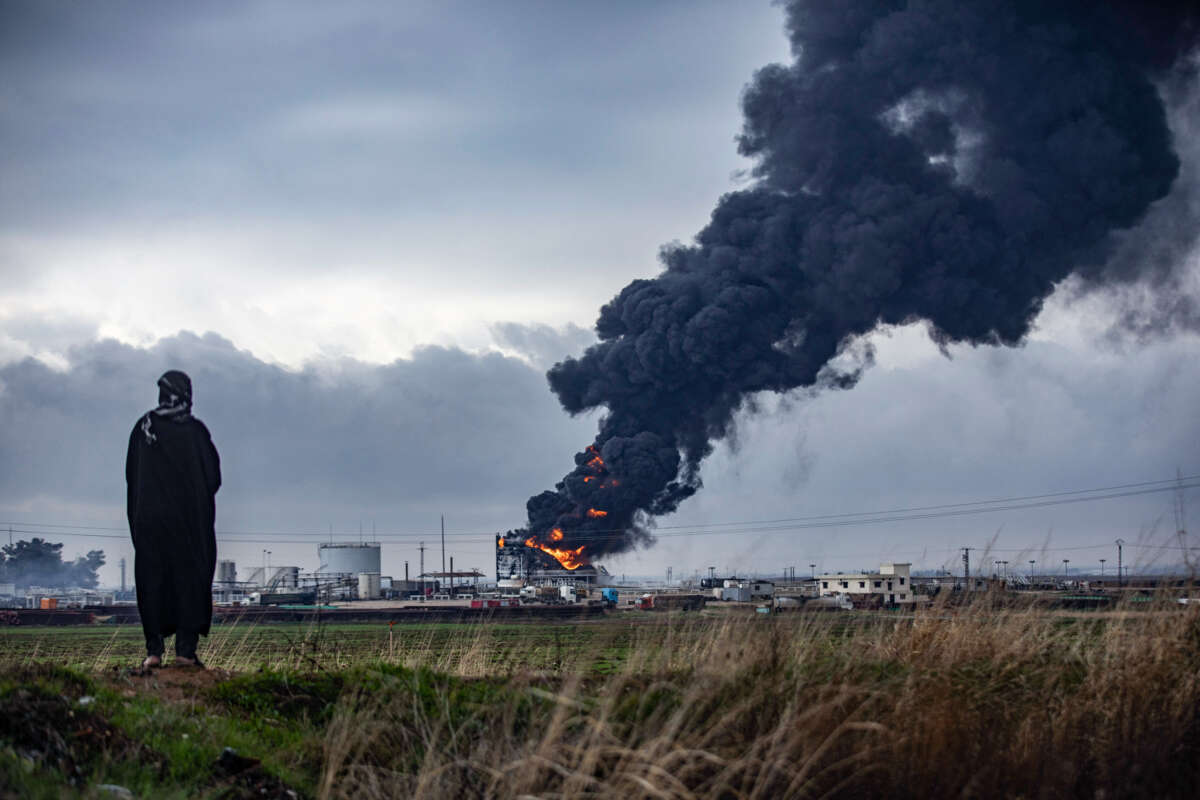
x=671 y=602
x=609 y=595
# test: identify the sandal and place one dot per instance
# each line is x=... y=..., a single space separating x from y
x=152 y=662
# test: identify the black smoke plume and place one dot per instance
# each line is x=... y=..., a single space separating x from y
x=943 y=160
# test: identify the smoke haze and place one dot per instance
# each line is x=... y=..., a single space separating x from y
x=945 y=161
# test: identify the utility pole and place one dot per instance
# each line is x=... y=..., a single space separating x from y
x=406 y=576
x=967 y=567
x=1120 y=575
x=451 y=575
x=1179 y=508
x=668 y=576
x=122 y=574
x=443 y=544
x=421 y=547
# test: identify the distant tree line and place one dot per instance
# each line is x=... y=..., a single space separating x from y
x=40 y=563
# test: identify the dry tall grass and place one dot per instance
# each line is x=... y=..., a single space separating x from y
x=969 y=702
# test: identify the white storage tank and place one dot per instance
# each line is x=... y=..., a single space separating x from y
x=368 y=586
x=284 y=577
x=279 y=577
x=348 y=559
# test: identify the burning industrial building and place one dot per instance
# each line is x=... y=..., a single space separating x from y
x=948 y=162
x=519 y=557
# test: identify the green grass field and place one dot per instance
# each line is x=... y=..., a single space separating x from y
x=461 y=648
x=977 y=702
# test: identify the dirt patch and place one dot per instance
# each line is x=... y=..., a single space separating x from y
x=60 y=732
x=169 y=684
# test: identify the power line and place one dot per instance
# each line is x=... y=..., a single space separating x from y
x=830 y=520
x=1029 y=548
x=1173 y=481
x=724 y=528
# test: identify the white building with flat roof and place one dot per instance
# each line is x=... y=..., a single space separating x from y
x=892 y=584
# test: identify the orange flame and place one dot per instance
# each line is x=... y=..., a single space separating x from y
x=596 y=462
x=570 y=559
x=574 y=559
x=501 y=542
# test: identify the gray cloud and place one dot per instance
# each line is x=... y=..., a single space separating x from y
x=119 y=109
x=921 y=429
x=24 y=333
x=336 y=443
x=341 y=442
x=451 y=161
x=542 y=345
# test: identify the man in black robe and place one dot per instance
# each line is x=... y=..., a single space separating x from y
x=172 y=472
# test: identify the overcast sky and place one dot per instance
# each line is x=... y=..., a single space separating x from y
x=366 y=231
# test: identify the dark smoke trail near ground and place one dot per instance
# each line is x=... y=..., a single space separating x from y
x=947 y=161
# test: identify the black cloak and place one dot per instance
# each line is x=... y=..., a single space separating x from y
x=173 y=472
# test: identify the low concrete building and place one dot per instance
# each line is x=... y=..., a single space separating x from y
x=737 y=593
x=892 y=584
x=761 y=590
x=744 y=591
x=229 y=594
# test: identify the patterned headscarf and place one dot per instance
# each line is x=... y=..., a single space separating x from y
x=174 y=401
